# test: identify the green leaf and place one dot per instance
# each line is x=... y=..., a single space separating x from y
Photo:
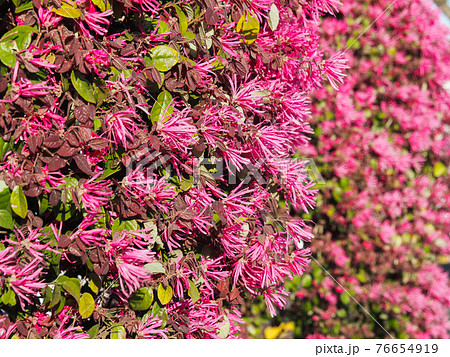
x=56 y=296
x=307 y=281
x=19 y=202
x=164 y=318
x=439 y=169
x=163 y=26
x=248 y=26
x=189 y=35
x=156 y=310
x=345 y=298
x=164 y=57
x=186 y=184
x=68 y=10
x=24 y=7
x=100 y=4
x=86 y=305
x=193 y=292
x=120 y=225
x=83 y=87
x=3 y=186
x=155 y=268
x=47 y=295
x=162 y=107
x=92 y=332
x=94 y=283
x=274 y=17
x=43 y=204
x=112 y=166
x=18 y=39
x=6 y=220
x=118 y=332
x=97 y=124
x=5 y=197
x=224 y=330
x=164 y=295
x=141 y=299
x=71 y=285
x=182 y=19
x=9 y=298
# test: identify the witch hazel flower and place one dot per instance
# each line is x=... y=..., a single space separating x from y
x=178 y=131
x=94 y=193
x=35 y=56
x=151 y=6
x=94 y=20
x=99 y=60
x=150 y=189
x=333 y=69
x=247 y=95
x=298 y=232
x=26 y=281
x=31 y=244
x=48 y=18
x=49 y=179
x=6 y=330
x=7 y=262
x=230 y=40
x=131 y=270
x=292 y=174
x=90 y=236
x=25 y=88
x=275 y=297
x=121 y=127
x=236 y=206
x=65 y=331
x=151 y=329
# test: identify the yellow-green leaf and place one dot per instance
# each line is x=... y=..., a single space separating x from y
x=274 y=17
x=193 y=292
x=164 y=57
x=86 y=305
x=248 y=26
x=162 y=107
x=182 y=19
x=100 y=4
x=68 y=10
x=164 y=295
x=118 y=332
x=439 y=169
x=19 y=202
x=224 y=330
x=94 y=283
x=6 y=220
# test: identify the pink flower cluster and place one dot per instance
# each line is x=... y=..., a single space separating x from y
x=151 y=165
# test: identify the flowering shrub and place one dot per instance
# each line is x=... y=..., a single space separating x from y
x=382 y=146
x=145 y=147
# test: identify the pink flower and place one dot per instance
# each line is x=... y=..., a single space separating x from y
x=99 y=60
x=6 y=328
x=275 y=297
x=94 y=194
x=122 y=126
x=333 y=68
x=151 y=329
x=131 y=270
x=25 y=281
x=68 y=332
